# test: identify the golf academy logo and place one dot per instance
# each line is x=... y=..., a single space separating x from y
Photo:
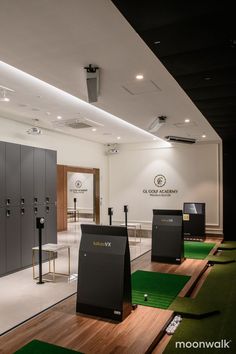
x=78 y=187
x=78 y=184
x=160 y=181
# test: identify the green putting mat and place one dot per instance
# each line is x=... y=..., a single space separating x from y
x=227 y=245
x=161 y=288
x=39 y=347
x=197 y=250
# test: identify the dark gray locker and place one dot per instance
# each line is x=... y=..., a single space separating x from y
x=2 y=172
x=51 y=223
x=27 y=234
x=51 y=176
x=2 y=242
x=27 y=175
x=13 y=239
x=12 y=174
x=39 y=175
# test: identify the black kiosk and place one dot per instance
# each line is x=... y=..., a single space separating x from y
x=104 y=280
x=194 y=217
x=167 y=236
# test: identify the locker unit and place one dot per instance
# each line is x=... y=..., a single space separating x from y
x=12 y=174
x=2 y=242
x=27 y=190
x=13 y=239
x=27 y=176
x=2 y=173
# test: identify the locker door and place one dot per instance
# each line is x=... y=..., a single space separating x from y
x=2 y=172
x=27 y=234
x=13 y=239
x=51 y=176
x=2 y=242
x=51 y=223
x=39 y=175
x=12 y=174
x=27 y=175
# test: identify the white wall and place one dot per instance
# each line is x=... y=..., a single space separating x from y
x=70 y=151
x=193 y=173
x=83 y=193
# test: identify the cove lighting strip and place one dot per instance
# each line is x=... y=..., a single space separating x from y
x=32 y=80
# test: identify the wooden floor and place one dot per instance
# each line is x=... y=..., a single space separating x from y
x=139 y=333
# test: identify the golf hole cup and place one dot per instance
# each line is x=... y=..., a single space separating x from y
x=145 y=297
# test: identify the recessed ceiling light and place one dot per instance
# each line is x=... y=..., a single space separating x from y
x=207 y=78
x=118 y=138
x=59 y=117
x=187 y=120
x=4 y=99
x=139 y=76
x=94 y=129
x=203 y=135
x=154 y=139
x=157 y=42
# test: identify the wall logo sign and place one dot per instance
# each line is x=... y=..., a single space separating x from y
x=78 y=187
x=160 y=181
x=78 y=184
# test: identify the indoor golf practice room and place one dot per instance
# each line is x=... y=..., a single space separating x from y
x=117 y=183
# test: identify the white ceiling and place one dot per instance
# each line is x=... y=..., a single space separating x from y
x=53 y=40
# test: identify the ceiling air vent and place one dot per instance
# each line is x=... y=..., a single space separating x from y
x=77 y=125
x=178 y=139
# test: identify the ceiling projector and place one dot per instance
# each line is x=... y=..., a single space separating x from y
x=34 y=131
x=156 y=124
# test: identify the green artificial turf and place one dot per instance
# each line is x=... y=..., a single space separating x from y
x=228 y=245
x=197 y=250
x=218 y=292
x=39 y=347
x=161 y=288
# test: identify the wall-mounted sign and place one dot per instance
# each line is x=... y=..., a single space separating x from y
x=160 y=181
x=78 y=187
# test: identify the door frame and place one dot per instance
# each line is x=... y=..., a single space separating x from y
x=62 y=171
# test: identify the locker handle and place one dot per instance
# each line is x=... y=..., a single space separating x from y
x=8 y=212
x=22 y=211
x=35 y=200
x=35 y=210
x=8 y=201
x=47 y=209
x=47 y=199
x=22 y=201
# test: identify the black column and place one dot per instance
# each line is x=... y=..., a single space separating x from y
x=229 y=188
